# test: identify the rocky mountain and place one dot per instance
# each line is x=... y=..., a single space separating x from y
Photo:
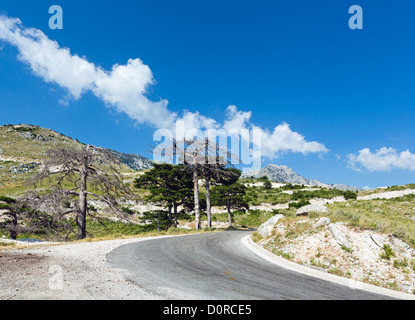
x=134 y=161
x=25 y=146
x=285 y=174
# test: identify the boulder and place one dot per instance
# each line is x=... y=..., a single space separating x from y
x=303 y=211
x=339 y=236
x=322 y=222
x=266 y=228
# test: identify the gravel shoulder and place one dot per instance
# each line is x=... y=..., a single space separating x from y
x=75 y=271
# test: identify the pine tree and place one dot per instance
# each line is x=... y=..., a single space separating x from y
x=169 y=184
x=230 y=193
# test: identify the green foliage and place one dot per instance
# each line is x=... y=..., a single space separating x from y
x=229 y=195
x=184 y=216
x=389 y=216
x=19 y=219
x=157 y=218
x=290 y=186
x=400 y=263
x=267 y=185
x=127 y=210
x=167 y=183
x=322 y=193
x=116 y=228
x=255 y=196
x=8 y=201
x=228 y=176
x=349 y=195
x=298 y=204
x=253 y=218
x=396 y=188
x=387 y=252
x=347 y=249
x=23 y=129
x=256 y=236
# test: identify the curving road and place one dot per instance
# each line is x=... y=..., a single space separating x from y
x=213 y=266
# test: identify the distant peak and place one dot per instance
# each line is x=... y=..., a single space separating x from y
x=285 y=174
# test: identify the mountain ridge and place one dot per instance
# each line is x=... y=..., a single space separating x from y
x=28 y=143
x=285 y=174
x=133 y=161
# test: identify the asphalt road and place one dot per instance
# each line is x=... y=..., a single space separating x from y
x=217 y=266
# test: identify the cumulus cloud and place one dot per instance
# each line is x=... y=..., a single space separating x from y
x=384 y=159
x=236 y=120
x=124 y=88
x=283 y=140
x=272 y=144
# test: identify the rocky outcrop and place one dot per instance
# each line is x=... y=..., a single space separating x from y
x=266 y=228
x=387 y=195
x=339 y=236
x=341 y=249
x=133 y=161
x=322 y=222
x=24 y=168
x=303 y=211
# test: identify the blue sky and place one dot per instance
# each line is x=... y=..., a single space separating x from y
x=351 y=92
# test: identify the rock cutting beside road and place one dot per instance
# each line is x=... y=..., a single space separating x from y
x=337 y=248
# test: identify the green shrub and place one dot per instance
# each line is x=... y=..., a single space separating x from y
x=267 y=185
x=350 y=195
x=298 y=204
x=400 y=263
x=387 y=252
x=127 y=210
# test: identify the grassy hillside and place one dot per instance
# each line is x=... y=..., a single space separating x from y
x=24 y=147
x=22 y=150
x=26 y=143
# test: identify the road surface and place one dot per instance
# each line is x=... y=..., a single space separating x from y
x=217 y=266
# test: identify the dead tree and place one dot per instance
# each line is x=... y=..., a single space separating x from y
x=76 y=175
x=18 y=217
x=203 y=157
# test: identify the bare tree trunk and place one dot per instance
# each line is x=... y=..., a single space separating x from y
x=196 y=194
x=207 y=185
x=175 y=214
x=228 y=206
x=82 y=211
x=169 y=215
x=208 y=206
x=13 y=231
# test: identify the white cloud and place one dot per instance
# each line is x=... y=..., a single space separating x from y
x=124 y=88
x=384 y=159
x=283 y=140
x=46 y=59
x=272 y=144
x=236 y=120
x=193 y=124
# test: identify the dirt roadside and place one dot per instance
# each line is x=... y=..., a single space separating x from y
x=66 y=272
